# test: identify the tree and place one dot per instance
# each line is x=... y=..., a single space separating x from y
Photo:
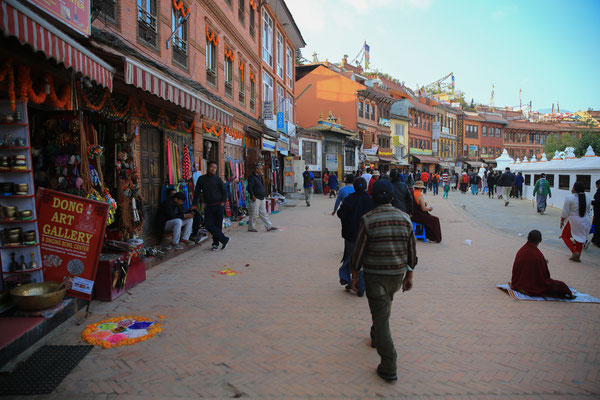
x=558 y=143
x=589 y=137
x=472 y=106
x=299 y=58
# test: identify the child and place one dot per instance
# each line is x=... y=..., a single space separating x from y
x=446 y=190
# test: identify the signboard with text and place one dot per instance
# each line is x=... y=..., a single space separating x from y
x=71 y=230
x=73 y=13
x=267 y=111
x=280 y=121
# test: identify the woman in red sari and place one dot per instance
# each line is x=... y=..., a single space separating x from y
x=530 y=274
x=326 y=182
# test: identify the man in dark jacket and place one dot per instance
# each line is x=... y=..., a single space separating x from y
x=491 y=182
x=506 y=181
x=172 y=218
x=519 y=186
x=257 y=191
x=402 y=197
x=214 y=195
x=353 y=207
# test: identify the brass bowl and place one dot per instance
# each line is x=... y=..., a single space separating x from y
x=25 y=214
x=12 y=231
x=29 y=236
x=21 y=188
x=37 y=296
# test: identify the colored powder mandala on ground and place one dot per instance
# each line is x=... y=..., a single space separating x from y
x=226 y=272
x=120 y=331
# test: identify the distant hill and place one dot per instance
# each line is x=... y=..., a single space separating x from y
x=549 y=110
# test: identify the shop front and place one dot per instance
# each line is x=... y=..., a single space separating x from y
x=271 y=162
x=422 y=162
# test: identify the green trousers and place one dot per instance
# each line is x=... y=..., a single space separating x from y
x=380 y=292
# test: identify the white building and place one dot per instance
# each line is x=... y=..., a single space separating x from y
x=562 y=171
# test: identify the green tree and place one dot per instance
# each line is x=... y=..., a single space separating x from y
x=589 y=137
x=300 y=60
x=558 y=143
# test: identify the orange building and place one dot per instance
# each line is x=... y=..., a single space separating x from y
x=473 y=124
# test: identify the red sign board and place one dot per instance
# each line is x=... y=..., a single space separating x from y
x=71 y=231
x=73 y=13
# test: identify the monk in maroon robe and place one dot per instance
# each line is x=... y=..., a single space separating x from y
x=530 y=273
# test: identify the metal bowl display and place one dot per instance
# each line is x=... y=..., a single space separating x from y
x=37 y=296
x=29 y=236
x=25 y=214
x=6 y=187
x=21 y=188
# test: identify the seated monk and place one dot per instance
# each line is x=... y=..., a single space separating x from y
x=530 y=273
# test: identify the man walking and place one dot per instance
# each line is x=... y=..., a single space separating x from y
x=425 y=180
x=308 y=179
x=519 y=186
x=541 y=191
x=506 y=181
x=402 y=196
x=385 y=250
x=214 y=195
x=257 y=191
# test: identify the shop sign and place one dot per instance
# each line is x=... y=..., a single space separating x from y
x=295 y=146
x=71 y=230
x=281 y=125
x=435 y=132
x=231 y=140
x=267 y=111
x=420 y=151
x=73 y=13
x=473 y=150
x=385 y=122
x=372 y=151
x=268 y=145
x=283 y=144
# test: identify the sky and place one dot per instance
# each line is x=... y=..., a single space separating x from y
x=548 y=49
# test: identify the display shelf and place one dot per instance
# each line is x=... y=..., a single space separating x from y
x=24 y=271
x=19 y=130
x=19 y=246
x=17 y=221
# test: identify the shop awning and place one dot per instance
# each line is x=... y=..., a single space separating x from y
x=159 y=84
x=386 y=159
x=29 y=28
x=475 y=164
x=426 y=159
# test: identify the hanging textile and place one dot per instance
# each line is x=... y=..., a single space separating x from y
x=191 y=156
x=169 y=162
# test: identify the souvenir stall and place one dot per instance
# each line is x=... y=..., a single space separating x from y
x=210 y=145
x=269 y=158
x=235 y=171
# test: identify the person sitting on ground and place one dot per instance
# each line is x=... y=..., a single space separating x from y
x=375 y=176
x=530 y=274
x=421 y=215
x=173 y=219
x=344 y=192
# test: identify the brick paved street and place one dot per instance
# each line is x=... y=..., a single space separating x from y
x=285 y=328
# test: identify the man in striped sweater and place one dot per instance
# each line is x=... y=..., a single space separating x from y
x=385 y=250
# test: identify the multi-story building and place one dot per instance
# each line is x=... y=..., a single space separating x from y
x=524 y=138
x=491 y=136
x=420 y=126
x=444 y=134
x=399 y=115
x=471 y=145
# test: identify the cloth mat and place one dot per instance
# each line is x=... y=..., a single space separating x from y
x=43 y=371
x=580 y=297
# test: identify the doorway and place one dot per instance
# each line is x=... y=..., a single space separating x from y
x=152 y=173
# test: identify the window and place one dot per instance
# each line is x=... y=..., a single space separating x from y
x=180 y=44
x=309 y=152
x=289 y=109
x=350 y=156
x=564 y=182
x=367 y=110
x=498 y=132
x=147 y=17
x=252 y=94
x=484 y=131
x=531 y=138
x=492 y=131
x=279 y=55
x=267 y=87
x=373 y=112
x=267 y=38
x=228 y=3
x=106 y=10
x=242 y=83
x=228 y=71
x=289 y=71
x=527 y=179
x=211 y=63
x=241 y=11
x=360 y=109
x=550 y=179
x=251 y=20
x=280 y=106
x=399 y=130
x=471 y=131
x=586 y=180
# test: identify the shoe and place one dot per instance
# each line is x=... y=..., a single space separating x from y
x=505 y=203
x=188 y=242
x=215 y=247
x=575 y=257
x=252 y=230
x=177 y=246
x=272 y=229
x=167 y=248
x=224 y=246
x=307 y=205
x=542 y=212
x=386 y=377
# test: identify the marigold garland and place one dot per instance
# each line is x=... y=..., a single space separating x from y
x=234 y=133
x=212 y=37
x=241 y=65
x=252 y=77
x=121 y=325
x=253 y=4
x=181 y=7
x=212 y=130
x=229 y=54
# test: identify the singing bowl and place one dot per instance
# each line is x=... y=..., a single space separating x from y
x=21 y=188
x=25 y=214
x=29 y=236
x=37 y=296
x=12 y=231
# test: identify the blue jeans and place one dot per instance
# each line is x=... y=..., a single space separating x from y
x=213 y=219
x=474 y=188
x=435 y=189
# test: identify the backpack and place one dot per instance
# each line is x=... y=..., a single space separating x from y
x=307 y=179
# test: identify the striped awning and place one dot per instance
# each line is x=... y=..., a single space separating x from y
x=29 y=28
x=157 y=83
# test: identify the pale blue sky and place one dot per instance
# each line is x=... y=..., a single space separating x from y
x=549 y=49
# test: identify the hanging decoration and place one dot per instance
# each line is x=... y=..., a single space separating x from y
x=234 y=133
x=253 y=4
x=212 y=129
x=26 y=91
x=121 y=331
x=95 y=151
x=252 y=77
x=136 y=111
x=181 y=7
x=241 y=65
x=212 y=37
x=229 y=54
